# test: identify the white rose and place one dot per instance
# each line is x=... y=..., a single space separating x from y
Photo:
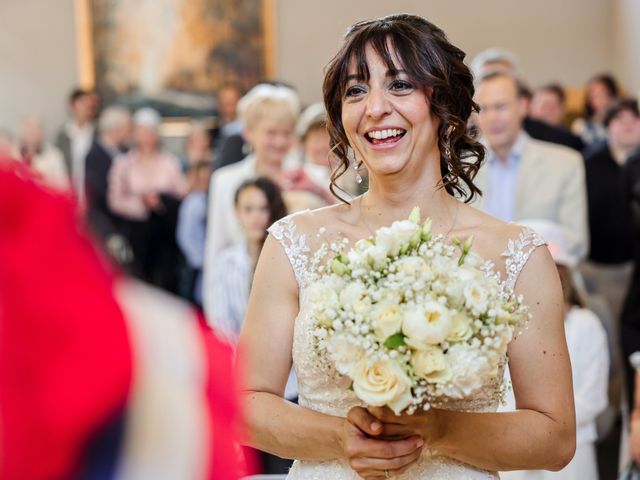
x=381 y=383
x=344 y=354
x=354 y=297
x=431 y=365
x=470 y=370
x=461 y=330
x=427 y=324
x=386 y=318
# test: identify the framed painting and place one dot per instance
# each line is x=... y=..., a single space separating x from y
x=173 y=54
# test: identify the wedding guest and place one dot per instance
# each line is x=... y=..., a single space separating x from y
x=498 y=60
x=77 y=135
x=191 y=230
x=269 y=113
x=114 y=127
x=602 y=90
x=523 y=177
x=608 y=269
x=42 y=157
x=589 y=354
x=197 y=147
x=146 y=186
x=548 y=105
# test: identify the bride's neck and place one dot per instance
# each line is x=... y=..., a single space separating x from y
x=391 y=199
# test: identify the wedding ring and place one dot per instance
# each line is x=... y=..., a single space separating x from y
x=386 y=474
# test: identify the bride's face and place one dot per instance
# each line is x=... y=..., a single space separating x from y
x=387 y=118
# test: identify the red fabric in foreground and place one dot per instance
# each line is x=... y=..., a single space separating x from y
x=65 y=358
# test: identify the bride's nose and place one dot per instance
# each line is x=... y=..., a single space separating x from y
x=378 y=105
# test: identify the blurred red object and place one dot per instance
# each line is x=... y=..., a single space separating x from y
x=99 y=376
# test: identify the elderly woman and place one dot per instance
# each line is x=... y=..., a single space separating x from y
x=146 y=186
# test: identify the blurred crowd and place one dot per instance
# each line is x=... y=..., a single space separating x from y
x=193 y=221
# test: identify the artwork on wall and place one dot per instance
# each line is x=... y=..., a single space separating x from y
x=173 y=54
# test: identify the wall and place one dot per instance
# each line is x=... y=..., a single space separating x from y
x=626 y=43
x=37 y=60
x=565 y=41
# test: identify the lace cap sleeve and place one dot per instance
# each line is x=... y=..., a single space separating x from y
x=294 y=244
x=517 y=254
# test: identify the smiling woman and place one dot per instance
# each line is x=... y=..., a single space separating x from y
x=398 y=97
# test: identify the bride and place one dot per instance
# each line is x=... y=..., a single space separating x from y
x=398 y=97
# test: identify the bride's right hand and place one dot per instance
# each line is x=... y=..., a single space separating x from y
x=370 y=456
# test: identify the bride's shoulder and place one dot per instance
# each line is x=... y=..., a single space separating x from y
x=495 y=239
x=312 y=222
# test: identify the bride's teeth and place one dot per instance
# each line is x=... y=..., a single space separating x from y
x=383 y=134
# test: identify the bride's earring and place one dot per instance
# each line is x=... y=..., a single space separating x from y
x=356 y=165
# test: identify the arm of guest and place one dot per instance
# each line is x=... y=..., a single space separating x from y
x=541 y=433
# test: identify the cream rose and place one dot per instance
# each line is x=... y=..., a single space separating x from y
x=426 y=325
x=381 y=383
x=386 y=318
x=431 y=364
x=461 y=330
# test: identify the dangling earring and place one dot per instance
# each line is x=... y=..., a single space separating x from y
x=351 y=156
x=356 y=167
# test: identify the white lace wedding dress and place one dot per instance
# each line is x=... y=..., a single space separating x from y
x=319 y=390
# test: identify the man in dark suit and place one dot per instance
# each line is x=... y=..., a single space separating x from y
x=114 y=136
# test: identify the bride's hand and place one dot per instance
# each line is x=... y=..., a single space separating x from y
x=370 y=457
x=424 y=424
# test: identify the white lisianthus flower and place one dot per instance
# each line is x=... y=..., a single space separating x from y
x=431 y=365
x=470 y=370
x=426 y=324
x=476 y=297
x=324 y=295
x=473 y=260
x=386 y=318
x=398 y=237
x=415 y=267
x=461 y=330
x=354 y=297
x=442 y=266
x=376 y=256
x=345 y=354
x=381 y=383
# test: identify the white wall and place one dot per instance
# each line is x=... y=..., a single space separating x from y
x=566 y=41
x=37 y=60
x=626 y=43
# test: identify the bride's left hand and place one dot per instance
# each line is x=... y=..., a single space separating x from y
x=402 y=426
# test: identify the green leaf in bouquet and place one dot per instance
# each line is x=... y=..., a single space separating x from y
x=394 y=341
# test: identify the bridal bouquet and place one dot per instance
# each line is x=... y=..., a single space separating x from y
x=412 y=320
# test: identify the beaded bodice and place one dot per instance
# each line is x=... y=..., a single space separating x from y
x=329 y=393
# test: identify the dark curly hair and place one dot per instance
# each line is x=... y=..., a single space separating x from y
x=273 y=194
x=429 y=60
